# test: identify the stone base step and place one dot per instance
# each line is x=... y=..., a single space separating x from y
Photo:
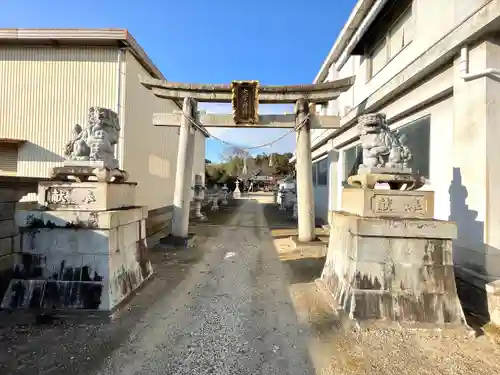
x=459 y=330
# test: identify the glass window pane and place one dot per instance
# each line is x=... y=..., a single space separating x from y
x=417 y=136
x=379 y=57
x=323 y=172
x=353 y=157
x=396 y=40
x=408 y=27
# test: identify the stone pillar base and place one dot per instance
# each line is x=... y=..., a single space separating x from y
x=395 y=269
x=78 y=260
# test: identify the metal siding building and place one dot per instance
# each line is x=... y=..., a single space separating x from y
x=48 y=80
x=149 y=152
x=44 y=91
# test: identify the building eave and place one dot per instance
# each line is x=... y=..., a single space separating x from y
x=359 y=12
x=80 y=37
x=12 y=141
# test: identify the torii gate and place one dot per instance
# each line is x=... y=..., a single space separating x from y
x=246 y=96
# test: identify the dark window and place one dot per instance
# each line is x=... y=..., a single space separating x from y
x=322 y=170
x=417 y=137
x=315 y=174
x=353 y=158
x=381 y=25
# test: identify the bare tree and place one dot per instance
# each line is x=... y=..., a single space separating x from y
x=232 y=152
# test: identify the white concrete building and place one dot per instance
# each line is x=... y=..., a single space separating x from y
x=433 y=67
x=48 y=80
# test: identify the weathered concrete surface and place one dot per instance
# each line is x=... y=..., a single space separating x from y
x=375 y=203
x=12 y=189
x=90 y=195
x=78 y=260
x=212 y=311
x=392 y=269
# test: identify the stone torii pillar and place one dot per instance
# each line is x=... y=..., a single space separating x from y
x=184 y=171
x=305 y=197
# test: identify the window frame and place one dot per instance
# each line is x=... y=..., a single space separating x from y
x=428 y=119
x=314 y=174
x=324 y=178
x=387 y=39
x=358 y=154
x=316 y=171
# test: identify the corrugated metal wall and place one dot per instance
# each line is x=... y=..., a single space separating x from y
x=150 y=152
x=44 y=91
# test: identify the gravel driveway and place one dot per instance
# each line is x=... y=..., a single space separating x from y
x=233 y=314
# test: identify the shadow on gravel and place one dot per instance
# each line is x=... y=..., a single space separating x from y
x=474 y=303
x=219 y=217
x=305 y=270
x=80 y=346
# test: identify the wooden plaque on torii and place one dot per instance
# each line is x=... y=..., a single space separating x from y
x=245 y=101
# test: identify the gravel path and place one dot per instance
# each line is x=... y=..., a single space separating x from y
x=232 y=315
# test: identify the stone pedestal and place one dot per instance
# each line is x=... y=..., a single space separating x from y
x=388 y=203
x=215 y=202
x=389 y=260
x=237 y=191
x=198 y=214
x=198 y=198
x=79 y=253
x=90 y=195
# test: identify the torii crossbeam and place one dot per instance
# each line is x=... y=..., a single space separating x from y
x=246 y=96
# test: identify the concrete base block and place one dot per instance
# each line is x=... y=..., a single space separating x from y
x=75 y=260
x=393 y=269
x=313 y=249
x=459 y=330
x=317 y=243
x=388 y=203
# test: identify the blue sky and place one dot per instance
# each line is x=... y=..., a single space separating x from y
x=210 y=41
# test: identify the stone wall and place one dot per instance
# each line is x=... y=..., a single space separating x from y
x=158 y=224
x=12 y=189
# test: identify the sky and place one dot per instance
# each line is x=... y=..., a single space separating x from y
x=276 y=42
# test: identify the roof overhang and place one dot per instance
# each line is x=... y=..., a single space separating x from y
x=119 y=38
x=12 y=141
x=367 y=20
x=359 y=12
x=379 y=24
